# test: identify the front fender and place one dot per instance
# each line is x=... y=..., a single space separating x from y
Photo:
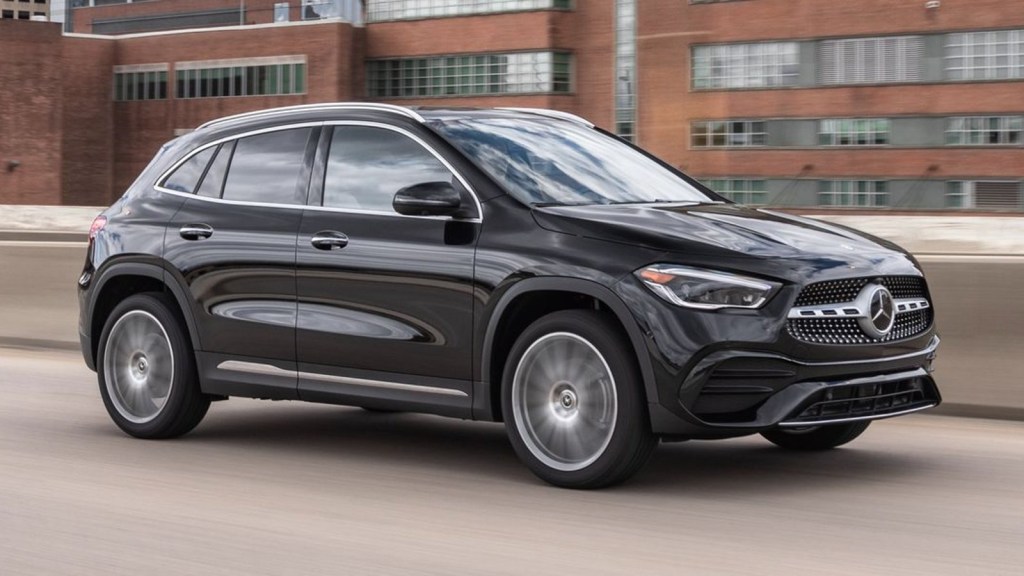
x=483 y=399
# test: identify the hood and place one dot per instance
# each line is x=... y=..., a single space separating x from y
x=729 y=231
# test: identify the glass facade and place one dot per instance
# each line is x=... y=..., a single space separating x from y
x=997 y=55
x=470 y=75
x=132 y=85
x=760 y=65
x=853 y=193
x=854 y=132
x=728 y=133
x=239 y=78
x=984 y=131
x=384 y=10
x=625 y=69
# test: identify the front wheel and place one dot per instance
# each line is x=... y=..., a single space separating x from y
x=573 y=401
x=146 y=369
x=816 y=437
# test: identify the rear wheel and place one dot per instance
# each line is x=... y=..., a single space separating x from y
x=146 y=369
x=573 y=401
x=816 y=437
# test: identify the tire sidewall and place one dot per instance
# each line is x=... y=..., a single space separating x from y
x=631 y=414
x=184 y=365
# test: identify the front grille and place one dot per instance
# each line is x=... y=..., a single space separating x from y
x=866 y=400
x=848 y=330
x=840 y=291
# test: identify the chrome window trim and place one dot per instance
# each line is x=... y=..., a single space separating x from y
x=401 y=110
x=462 y=180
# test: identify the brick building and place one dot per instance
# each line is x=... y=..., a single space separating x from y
x=24 y=9
x=870 y=104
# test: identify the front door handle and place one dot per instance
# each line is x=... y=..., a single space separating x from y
x=329 y=240
x=195 y=231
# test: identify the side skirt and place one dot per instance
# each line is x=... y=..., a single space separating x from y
x=282 y=380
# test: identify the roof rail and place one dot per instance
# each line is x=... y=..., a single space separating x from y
x=328 y=106
x=551 y=114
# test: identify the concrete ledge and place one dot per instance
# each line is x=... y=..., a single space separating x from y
x=919 y=233
x=48 y=218
x=38 y=344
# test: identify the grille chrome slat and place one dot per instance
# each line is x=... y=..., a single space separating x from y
x=824 y=312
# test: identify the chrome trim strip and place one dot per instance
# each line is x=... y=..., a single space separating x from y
x=380 y=384
x=550 y=114
x=930 y=349
x=902 y=306
x=854 y=418
x=269 y=370
x=331 y=106
x=255 y=368
x=166 y=173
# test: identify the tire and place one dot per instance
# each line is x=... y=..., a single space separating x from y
x=573 y=400
x=147 y=371
x=816 y=437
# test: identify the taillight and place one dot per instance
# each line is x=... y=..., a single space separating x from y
x=97 y=225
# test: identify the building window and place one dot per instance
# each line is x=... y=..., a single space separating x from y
x=991 y=195
x=853 y=193
x=625 y=69
x=140 y=82
x=854 y=132
x=728 y=133
x=347 y=10
x=743 y=191
x=985 y=55
x=871 y=60
x=243 y=77
x=984 y=131
x=383 y=10
x=760 y=65
x=470 y=75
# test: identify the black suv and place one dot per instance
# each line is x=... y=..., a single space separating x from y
x=515 y=265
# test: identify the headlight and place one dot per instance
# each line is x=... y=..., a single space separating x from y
x=704 y=289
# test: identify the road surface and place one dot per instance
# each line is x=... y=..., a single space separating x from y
x=287 y=488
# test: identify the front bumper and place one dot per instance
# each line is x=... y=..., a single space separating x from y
x=736 y=392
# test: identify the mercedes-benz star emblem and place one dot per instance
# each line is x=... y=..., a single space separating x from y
x=881 y=311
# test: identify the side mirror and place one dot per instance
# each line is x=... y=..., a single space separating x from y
x=428 y=199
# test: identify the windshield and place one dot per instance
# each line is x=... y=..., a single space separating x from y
x=545 y=162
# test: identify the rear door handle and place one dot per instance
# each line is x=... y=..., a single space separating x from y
x=195 y=231
x=329 y=240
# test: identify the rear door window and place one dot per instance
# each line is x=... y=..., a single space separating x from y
x=270 y=168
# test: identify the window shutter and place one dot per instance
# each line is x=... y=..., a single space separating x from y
x=997 y=195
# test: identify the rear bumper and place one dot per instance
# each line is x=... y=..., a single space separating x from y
x=735 y=392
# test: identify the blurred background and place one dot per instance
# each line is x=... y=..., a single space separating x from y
x=900 y=117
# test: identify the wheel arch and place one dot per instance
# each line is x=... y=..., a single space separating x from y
x=486 y=391
x=119 y=280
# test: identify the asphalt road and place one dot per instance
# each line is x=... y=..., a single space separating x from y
x=286 y=488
